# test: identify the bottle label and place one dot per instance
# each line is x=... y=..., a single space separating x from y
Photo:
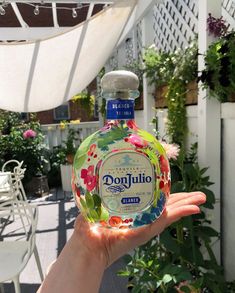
x=126 y=182
x=120 y=109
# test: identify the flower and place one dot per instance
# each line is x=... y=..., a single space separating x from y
x=62 y=125
x=77 y=121
x=137 y=141
x=164 y=165
x=115 y=221
x=89 y=178
x=29 y=134
x=92 y=149
x=131 y=124
x=172 y=150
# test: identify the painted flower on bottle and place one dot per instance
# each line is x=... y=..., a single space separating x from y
x=164 y=164
x=131 y=124
x=137 y=141
x=89 y=178
x=91 y=150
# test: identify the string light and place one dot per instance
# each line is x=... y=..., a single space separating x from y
x=43 y=5
x=74 y=13
x=2 y=10
x=79 y=5
x=36 y=10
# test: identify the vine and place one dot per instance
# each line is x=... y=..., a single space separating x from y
x=176 y=70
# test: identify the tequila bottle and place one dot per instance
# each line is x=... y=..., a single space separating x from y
x=121 y=176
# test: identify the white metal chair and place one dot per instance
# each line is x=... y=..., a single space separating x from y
x=17 y=176
x=16 y=244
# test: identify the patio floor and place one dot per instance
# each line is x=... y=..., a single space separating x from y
x=55 y=225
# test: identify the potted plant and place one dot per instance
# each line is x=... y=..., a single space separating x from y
x=24 y=141
x=67 y=153
x=174 y=76
x=219 y=72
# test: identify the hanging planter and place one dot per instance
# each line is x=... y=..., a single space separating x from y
x=219 y=73
x=191 y=95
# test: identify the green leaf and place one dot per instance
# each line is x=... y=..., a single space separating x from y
x=185 y=275
x=83 y=203
x=89 y=200
x=79 y=161
x=104 y=216
x=97 y=200
x=124 y=273
x=167 y=278
x=177 y=187
x=94 y=215
x=185 y=289
x=209 y=231
x=210 y=197
x=169 y=242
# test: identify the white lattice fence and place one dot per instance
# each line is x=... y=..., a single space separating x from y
x=228 y=12
x=175 y=23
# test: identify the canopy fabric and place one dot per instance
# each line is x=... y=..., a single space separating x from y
x=41 y=75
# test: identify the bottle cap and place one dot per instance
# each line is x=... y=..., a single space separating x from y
x=119 y=81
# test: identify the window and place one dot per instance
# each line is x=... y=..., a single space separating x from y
x=62 y=112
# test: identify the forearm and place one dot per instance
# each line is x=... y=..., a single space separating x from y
x=74 y=271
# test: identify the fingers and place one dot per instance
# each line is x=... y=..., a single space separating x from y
x=175 y=214
x=175 y=197
x=184 y=199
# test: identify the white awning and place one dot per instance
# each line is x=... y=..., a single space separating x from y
x=41 y=75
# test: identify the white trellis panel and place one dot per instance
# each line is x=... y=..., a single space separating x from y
x=228 y=12
x=175 y=24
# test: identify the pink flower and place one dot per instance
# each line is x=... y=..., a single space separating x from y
x=89 y=178
x=92 y=149
x=29 y=133
x=172 y=150
x=164 y=165
x=131 y=124
x=137 y=141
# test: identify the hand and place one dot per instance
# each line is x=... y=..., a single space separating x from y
x=108 y=245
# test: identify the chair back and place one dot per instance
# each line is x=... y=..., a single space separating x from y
x=6 y=187
x=18 y=222
x=15 y=167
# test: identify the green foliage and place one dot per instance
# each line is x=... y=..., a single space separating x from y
x=86 y=100
x=57 y=157
x=176 y=70
x=13 y=144
x=161 y=67
x=176 y=119
x=177 y=258
x=69 y=146
x=219 y=72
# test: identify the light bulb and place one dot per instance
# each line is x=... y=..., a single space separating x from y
x=2 y=11
x=36 y=10
x=74 y=13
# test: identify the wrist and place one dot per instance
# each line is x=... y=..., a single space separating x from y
x=91 y=257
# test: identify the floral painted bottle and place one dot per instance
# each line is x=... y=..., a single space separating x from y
x=121 y=176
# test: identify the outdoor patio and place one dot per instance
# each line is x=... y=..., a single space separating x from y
x=53 y=55
x=55 y=225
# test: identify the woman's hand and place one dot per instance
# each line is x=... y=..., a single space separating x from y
x=108 y=245
x=81 y=264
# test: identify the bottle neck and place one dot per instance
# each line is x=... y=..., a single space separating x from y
x=120 y=109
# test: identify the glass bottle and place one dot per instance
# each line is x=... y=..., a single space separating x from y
x=121 y=175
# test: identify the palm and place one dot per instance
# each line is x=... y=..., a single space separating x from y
x=112 y=244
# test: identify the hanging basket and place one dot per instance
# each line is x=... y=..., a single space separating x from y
x=191 y=95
